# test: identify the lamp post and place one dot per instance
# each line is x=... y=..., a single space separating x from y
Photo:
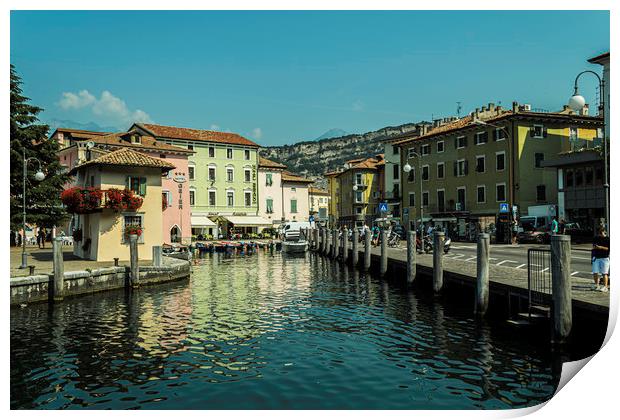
x=476 y=121
x=576 y=103
x=407 y=168
x=39 y=176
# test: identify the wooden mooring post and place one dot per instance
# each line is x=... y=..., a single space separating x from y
x=59 y=270
x=345 y=245
x=561 y=287
x=411 y=257
x=316 y=239
x=133 y=261
x=384 y=254
x=336 y=244
x=438 y=240
x=367 y=249
x=482 y=274
x=354 y=252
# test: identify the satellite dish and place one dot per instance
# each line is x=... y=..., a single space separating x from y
x=90 y=144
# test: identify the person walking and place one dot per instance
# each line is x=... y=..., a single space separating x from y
x=43 y=234
x=600 y=260
x=562 y=226
x=555 y=226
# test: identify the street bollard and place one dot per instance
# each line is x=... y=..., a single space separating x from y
x=438 y=261
x=367 y=249
x=116 y=262
x=133 y=261
x=157 y=255
x=411 y=257
x=561 y=287
x=482 y=274
x=345 y=245
x=59 y=269
x=354 y=255
x=384 y=256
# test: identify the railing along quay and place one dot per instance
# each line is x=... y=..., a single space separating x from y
x=558 y=290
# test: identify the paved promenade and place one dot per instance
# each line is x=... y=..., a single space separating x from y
x=42 y=260
x=500 y=277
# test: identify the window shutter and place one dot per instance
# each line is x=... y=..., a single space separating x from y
x=495 y=135
x=128 y=183
x=486 y=136
x=169 y=195
x=456 y=143
x=456 y=165
x=143 y=186
x=532 y=131
x=544 y=131
x=465 y=141
x=466 y=167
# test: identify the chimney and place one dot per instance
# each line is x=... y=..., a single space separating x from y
x=491 y=106
x=81 y=151
x=483 y=109
x=515 y=106
x=585 y=110
x=476 y=113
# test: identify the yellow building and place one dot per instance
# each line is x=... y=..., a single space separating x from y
x=470 y=174
x=333 y=188
x=356 y=191
x=101 y=230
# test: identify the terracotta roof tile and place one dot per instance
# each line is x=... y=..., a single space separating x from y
x=127 y=157
x=317 y=191
x=196 y=135
x=146 y=143
x=288 y=176
x=266 y=163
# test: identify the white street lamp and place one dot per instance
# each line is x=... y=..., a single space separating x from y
x=39 y=176
x=407 y=167
x=355 y=188
x=576 y=103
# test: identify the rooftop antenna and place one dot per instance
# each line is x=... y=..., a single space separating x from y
x=458 y=109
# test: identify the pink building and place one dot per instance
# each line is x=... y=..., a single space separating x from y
x=176 y=221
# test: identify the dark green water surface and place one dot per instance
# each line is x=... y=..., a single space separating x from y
x=267 y=332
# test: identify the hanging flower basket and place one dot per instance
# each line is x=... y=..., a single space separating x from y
x=133 y=230
x=80 y=200
x=114 y=200
x=132 y=202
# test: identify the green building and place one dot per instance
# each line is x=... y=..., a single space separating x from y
x=221 y=177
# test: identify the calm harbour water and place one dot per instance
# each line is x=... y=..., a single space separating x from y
x=263 y=332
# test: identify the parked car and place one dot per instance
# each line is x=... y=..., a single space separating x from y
x=536 y=236
x=577 y=233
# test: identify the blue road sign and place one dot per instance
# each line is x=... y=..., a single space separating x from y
x=503 y=208
x=383 y=207
x=311 y=219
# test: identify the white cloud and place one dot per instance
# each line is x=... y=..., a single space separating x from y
x=71 y=100
x=257 y=133
x=107 y=109
x=214 y=127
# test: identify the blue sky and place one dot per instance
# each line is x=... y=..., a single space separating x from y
x=281 y=77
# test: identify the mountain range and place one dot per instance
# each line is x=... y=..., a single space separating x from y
x=315 y=158
x=90 y=126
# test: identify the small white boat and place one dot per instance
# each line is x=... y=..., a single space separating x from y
x=295 y=247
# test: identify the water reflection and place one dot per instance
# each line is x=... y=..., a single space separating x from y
x=266 y=331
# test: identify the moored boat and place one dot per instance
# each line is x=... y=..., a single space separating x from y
x=295 y=247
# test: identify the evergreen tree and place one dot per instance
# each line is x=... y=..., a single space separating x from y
x=43 y=206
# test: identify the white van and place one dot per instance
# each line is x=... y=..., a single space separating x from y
x=292 y=230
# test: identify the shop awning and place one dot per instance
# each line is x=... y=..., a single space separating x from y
x=248 y=221
x=200 y=220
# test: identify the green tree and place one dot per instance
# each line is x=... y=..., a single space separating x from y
x=43 y=206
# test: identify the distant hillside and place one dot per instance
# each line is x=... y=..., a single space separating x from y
x=314 y=158
x=334 y=132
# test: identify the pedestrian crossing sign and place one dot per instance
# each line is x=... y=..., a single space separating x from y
x=383 y=207
x=503 y=208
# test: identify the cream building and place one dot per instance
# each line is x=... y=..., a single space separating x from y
x=102 y=229
x=283 y=196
